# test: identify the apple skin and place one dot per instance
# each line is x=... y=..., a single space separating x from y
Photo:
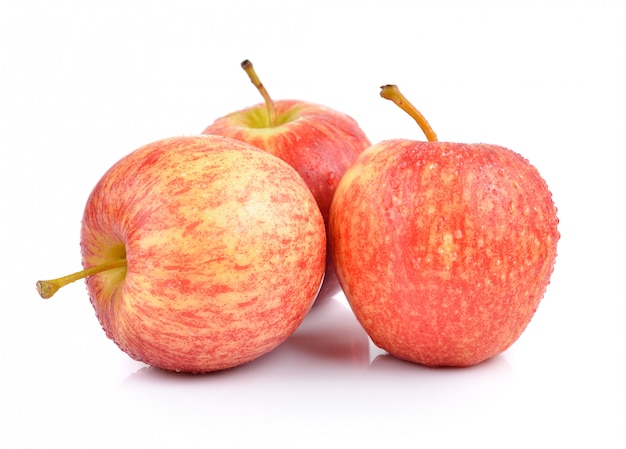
x=225 y=250
x=319 y=142
x=443 y=250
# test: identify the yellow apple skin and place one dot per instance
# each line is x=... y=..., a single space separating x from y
x=225 y=249
x=443 y=250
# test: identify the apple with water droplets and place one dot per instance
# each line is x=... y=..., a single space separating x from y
x=444 y=250
x=318 y=141
x=201 y=253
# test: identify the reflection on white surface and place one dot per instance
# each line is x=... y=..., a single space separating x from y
x=444 y=388
x=325 y=383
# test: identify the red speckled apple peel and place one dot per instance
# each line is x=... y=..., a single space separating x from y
x=444 y=250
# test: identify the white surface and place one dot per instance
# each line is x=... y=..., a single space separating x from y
x=83 y=83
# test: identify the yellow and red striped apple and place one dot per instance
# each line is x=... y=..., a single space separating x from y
x=202 y=253
x=444 y=250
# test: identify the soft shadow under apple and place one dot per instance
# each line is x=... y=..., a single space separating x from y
x=330 y=335
x=447 y=387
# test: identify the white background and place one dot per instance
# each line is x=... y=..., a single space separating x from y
x=84 y=83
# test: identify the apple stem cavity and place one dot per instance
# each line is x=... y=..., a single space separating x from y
x=391 y=92
x=48 y=288
x=271 y=110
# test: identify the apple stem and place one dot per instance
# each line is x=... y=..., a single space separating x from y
x=48 y=288
x=391 y=92
x=271 y=111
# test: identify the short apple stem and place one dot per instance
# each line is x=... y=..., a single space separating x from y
x=48 y=288
x=271 y=111
x=391 y=92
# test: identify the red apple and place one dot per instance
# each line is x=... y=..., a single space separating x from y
x=444 y=250
x=202 y=253
x=319 y=142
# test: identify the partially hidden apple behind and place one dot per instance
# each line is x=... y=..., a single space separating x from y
x=202 y=253
x=444 y=250
x=318 y=141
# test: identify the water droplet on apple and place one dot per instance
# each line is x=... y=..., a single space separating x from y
x=331 y=178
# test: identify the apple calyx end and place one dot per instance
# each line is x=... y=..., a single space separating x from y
x=391 y=92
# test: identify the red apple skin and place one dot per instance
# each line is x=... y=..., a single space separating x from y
x=443 y=250
x=319 y=142
x=225 y=249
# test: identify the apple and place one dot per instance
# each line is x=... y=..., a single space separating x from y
x=319 y=142
x=201 y=253
x=443 y=250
